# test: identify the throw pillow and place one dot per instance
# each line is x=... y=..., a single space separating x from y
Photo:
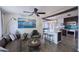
x=12 y=37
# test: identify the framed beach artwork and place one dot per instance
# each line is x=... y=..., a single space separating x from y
x=26 y=23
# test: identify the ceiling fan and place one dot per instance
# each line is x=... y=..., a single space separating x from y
x=34 y=12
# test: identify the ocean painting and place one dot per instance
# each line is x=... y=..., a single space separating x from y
x=26 y=23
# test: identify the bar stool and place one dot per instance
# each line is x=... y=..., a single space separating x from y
x=51 y=37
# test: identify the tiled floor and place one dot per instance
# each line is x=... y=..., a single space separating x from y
x=67 y=44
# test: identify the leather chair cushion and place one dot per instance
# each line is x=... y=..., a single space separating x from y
x=3 y=42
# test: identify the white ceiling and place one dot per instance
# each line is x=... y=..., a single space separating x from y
x=50 y=10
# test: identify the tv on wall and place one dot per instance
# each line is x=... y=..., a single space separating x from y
x=26 y=23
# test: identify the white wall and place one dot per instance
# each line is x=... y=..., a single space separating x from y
x=0 y=25
x=13 y=25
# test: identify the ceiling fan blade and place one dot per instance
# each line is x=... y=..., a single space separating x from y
x=36 y=14
x=41 y=12
x=31 y=14
x=27 y=12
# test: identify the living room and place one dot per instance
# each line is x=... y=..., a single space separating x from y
x=19 y=22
